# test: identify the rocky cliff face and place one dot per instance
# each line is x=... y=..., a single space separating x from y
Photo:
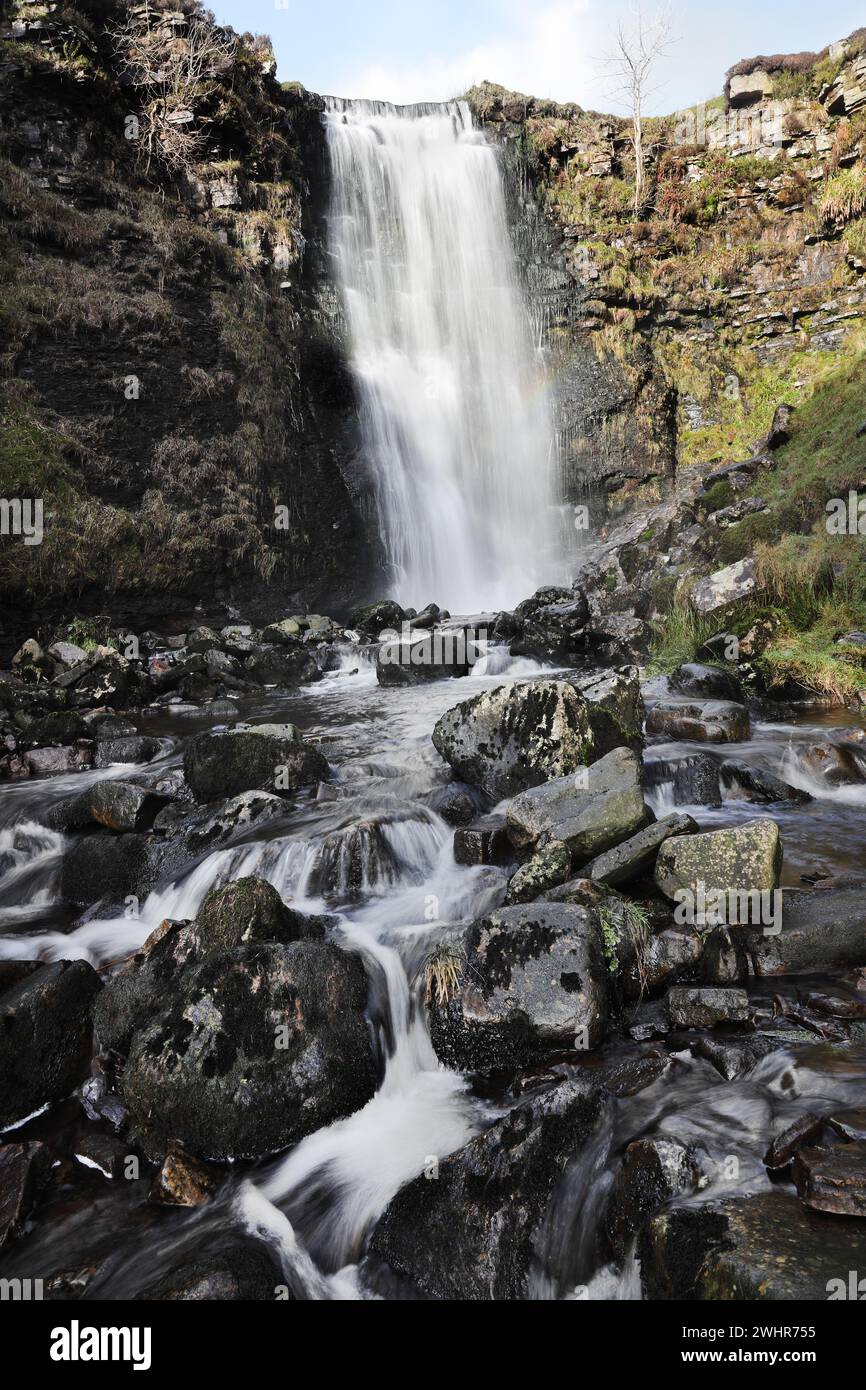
x=676 y=328
x=175 y=388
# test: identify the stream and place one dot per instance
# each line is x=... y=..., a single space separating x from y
x=314 y=1205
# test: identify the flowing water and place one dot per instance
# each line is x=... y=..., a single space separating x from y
x=457 y=428
x=314 y=1205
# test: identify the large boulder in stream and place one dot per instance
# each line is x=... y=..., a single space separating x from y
x=516 y=736
x=251 y=1050
x=45 y=1032
x=469 y=1234
x=525 y=979
x=262 y=757
x=243 y=911
x=589 y=812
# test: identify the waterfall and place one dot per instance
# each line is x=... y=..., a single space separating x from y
x=456 y=423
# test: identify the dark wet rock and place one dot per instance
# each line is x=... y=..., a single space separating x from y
x=653 y=1171
x=716 y=721
x=100 y=1102
x=108 y=865
x=548 y=868
x=103 y=1154
x=45 y=1034
x=251 y=1050
x=118 y=806
x=203 y=639
x=376 y=617
x=724 y=960
x=23 y=1170
x=139 y=749
x=67 y=653
x=265 y=757
x=183 y=1180
x=765 y=1247
x=454 y=805
x=56 y=762
x=798 y=1135
x=835 y=1005
x=832 y=1180
x=673 y=954
x=423 y=656
x=485 y=841
x=629 y=1076
x=205 y=828
x=243 y=1273
x=744 y=783
x=635 y=858
x=528 y=978
x=58 y=727
x=615 y=708
x=554 y=632
x=285 y=633
x=103 y=678
x=286 y=667
x=747 y=857
x=849 y=1124
x=696 y=781
x=619 y=639
x=246 y=910
x=707 y=1008
x=733 y=1056
x=708 y=682
x=468 y=1234
x=590 y=812
x=833 y=764
x=219 y=666
x=820 y=931
x=516 y=736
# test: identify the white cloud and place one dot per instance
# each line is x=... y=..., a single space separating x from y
x=550 y=50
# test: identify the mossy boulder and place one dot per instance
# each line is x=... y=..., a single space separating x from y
x=747 y=858
x=528 y=978
x=251 y=1050
x=517 y=736
x=589 y=812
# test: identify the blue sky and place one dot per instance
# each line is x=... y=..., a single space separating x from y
x=399 y=51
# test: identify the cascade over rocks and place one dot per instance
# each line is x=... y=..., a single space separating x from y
x=469 y=1234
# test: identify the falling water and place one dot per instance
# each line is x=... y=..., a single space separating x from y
x=456 y=423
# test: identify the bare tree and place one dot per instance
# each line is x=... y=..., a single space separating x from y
x=170 y=58
x=640 y=42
